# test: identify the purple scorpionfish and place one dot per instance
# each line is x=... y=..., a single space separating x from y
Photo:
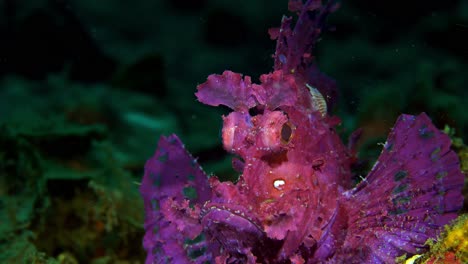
x=294 y=201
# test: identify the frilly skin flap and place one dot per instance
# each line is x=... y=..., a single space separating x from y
x=228 y=89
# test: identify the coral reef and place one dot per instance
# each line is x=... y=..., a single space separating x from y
x=450 y=247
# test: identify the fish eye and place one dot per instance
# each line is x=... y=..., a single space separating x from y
x=286 y=133
x=274 y=131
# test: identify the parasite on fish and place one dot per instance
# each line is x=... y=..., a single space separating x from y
x=318 y=101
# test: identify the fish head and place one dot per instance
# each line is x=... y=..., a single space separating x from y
x=291 y=160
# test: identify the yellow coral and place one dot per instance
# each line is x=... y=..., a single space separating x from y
x=456 y=237
x=412 y=259
x=453 y=242
x=461 y=148
x=463 y=154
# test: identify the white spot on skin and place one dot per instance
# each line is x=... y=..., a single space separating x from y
x=279 y=184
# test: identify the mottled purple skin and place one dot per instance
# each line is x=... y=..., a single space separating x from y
x=413 y=190
x=294 y=202
x=173 y=188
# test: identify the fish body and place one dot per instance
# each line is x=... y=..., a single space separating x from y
x=294 y=201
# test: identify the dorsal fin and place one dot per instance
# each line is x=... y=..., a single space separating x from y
x=295 y=46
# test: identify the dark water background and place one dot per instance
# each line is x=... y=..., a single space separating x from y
x=87 y=87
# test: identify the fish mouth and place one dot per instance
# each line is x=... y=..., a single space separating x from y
x=224 y=219
x=238 y=232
